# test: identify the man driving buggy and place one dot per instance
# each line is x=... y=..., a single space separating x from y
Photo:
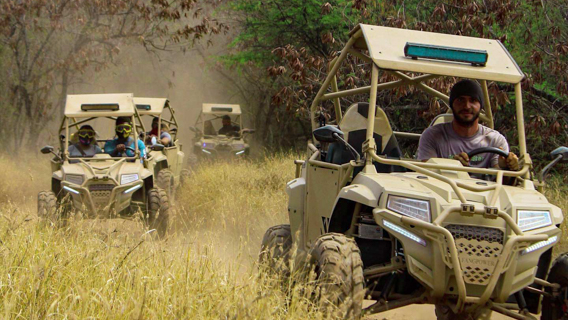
x=123 y=145
x=228 y=128
x=454 y=139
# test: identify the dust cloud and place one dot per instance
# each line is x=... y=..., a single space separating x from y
x=187 y=79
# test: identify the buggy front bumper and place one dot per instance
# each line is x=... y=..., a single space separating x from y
x=101 y=203
x=465 y=267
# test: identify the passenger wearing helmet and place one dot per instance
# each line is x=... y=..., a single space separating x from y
x=85 y=143
x=123 y=144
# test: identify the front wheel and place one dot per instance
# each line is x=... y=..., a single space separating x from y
x=157 y=211
x=166 y=182
x=554 y=308
x=339 y=273
x=49 y=210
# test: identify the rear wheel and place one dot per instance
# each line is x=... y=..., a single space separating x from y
x=166 y=182
x=157 y=211
x=275 y=250
x=554 y=308
x=339 y=272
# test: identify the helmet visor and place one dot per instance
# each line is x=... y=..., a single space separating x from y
x=124 y=128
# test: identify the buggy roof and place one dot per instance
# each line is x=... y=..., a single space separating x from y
x=156 y=105
x=386 y=48
x=219 y=108
x=99 y=105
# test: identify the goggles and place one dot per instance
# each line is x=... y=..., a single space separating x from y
x=124 y=128
x=86 y=133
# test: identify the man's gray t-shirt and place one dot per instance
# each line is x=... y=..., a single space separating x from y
x=441 y=141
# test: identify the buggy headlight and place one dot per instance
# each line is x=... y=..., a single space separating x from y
x=414 y=208
x=208 y=145
x=533 y=219
x=74 y=178
x=128 y=178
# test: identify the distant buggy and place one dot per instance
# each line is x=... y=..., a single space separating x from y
x=101 y=186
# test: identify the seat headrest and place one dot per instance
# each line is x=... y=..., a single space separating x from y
x=355 y=118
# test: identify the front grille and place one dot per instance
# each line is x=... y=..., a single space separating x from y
x=100 y=193
x=224 y=148
x=101 y=187
x=477 y=233
x=479 y=249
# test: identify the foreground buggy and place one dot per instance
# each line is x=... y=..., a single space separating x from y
x=373 y=224
x=101 y=186
x=209 y=144
x=166 y=163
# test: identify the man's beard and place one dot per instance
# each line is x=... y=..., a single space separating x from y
x=464 y=122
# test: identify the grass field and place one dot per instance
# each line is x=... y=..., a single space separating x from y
x=205 y=269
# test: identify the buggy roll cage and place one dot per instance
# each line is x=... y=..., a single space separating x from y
x=156 y=108
x=368 y=38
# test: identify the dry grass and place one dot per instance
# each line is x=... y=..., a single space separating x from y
x=112 y=270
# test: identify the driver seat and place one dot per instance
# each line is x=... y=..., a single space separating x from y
x=354 y=126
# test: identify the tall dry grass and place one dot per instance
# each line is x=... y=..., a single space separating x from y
x=113 y=270
x=205 y=269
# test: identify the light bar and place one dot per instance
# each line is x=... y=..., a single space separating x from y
x=143 y=107
x=70 y=190
x=540 y=245
x=404 y=232
x=240 y=152
x=222 y=109
x=427 y=51
x=205 y=151
x=100 y=107
x=133 y=189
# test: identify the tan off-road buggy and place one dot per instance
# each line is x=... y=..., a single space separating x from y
x=101 y=186
x=166 y=163
x=400 y=231
x=209 y=144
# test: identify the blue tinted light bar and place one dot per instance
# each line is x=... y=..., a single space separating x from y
x=70 y=190
x=428 y=51
x=404 y=232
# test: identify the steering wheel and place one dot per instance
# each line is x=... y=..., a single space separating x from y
x=477 y=151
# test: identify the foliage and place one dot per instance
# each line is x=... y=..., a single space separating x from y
x=535 y=32
x=46 y=45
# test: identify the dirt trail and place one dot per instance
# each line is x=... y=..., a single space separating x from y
x=418 y=312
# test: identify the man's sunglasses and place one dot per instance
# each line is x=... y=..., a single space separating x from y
x=123 y=128
x=86 y=133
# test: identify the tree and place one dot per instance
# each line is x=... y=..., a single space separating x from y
x=46 y=45
x=282 y=40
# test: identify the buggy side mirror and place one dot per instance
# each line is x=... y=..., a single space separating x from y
x=47 y=149
x=559 y=154
x=174 y=130
x=327 y=134
x=62 y=137
x=562 y=152
x=157 y=147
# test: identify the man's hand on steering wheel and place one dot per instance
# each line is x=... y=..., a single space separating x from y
x=463 y=158
x=511 y=162
x=120 y=148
